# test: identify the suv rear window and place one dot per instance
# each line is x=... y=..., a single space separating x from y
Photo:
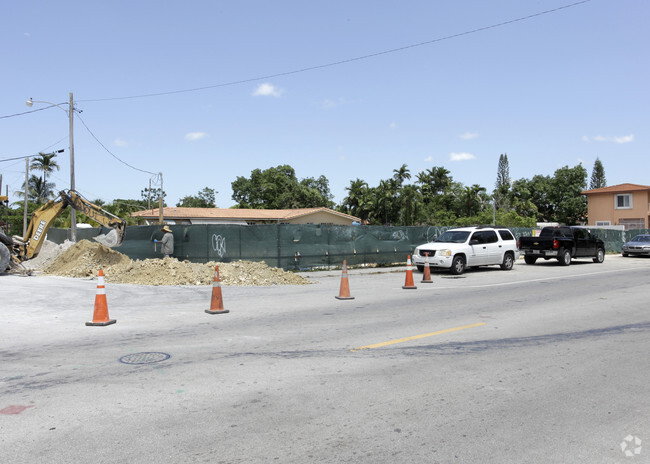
x=506 y=235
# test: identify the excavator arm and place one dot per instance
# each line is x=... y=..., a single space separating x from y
x=28 y=247
x=116 y=236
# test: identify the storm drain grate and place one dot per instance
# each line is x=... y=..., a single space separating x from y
x=148 y=357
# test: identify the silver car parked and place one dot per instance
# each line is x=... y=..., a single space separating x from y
x=638 y=246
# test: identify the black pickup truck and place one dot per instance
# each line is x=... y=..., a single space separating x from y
x=562 y=243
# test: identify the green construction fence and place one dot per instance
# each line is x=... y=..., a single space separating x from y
x=294 y=246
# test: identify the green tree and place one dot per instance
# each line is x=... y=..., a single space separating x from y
x=598 y=176
x=569 y=205
x=472 y=199
x=45 y=163
x=314 y=193
x=541 y=195
x=354 y=201
x=555 y=199
x=400 y=175
x=410 y=201
x=434 y=181
x=279 y=188
x=502 y=185
x=38 y=191
x=204 y=199
x=520 y=201
x=152 y=195
x=385 y=202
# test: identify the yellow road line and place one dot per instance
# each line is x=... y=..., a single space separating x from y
x=416 y=337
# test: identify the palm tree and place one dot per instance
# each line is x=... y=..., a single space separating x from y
x=472 y=199
x=401 y=174
x=37 y=191
x=386 y=195
x=356 y=191
x=434 y=181
x=45 y=162
x=410 y=201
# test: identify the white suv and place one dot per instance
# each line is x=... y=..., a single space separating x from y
x=457 y=249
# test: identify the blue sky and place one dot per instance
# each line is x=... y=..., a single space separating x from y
x=553 y=90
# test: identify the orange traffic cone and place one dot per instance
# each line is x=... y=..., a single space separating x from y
x=408 y=284
x=216 y=302
x=344 y=292
x=100 y=316
x=426 y=276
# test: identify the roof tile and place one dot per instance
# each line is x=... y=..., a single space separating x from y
x=230 y=213
x=618 y=188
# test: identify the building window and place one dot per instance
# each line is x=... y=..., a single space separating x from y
x=603 y=223
x=623 y=201
x=632 y=224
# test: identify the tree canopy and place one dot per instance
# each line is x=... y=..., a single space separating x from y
x=279 y=188
x=427 y=197
x=204 y=199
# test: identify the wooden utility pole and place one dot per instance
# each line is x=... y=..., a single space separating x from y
x=26 y=190
x=73 y=213
x=160 y=201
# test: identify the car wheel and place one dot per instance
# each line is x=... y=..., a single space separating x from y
x=5 y=257
x=508 y=262
x=457 y=265
x=420 y=268
x=565 y=258
x=530 y=259
x=625 y=255
x=600 y=256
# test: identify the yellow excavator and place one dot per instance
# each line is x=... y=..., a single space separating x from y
x=14 y=250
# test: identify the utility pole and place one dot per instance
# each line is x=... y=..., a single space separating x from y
x=73 y=213
x=160 y=207
x=26 y=189
x=70 y=112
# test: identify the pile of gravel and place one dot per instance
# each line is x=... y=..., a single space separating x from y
x=48 y=253
x=85 y=259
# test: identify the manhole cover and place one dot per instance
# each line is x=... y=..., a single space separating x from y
x=148 y=357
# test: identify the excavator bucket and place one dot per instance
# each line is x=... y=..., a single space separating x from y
x=110 y=239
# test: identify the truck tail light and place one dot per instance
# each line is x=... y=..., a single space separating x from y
x=556 y=244
x=519 y=243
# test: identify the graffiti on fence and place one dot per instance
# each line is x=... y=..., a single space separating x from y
x=219 y=245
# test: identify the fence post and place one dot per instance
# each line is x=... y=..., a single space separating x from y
x=279 y=246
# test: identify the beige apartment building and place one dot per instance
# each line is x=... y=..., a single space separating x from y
x=626 y=205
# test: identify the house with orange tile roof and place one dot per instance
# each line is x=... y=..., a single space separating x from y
x=179 y=215
x=627 y=205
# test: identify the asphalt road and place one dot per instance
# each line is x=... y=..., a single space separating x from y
x=541 y=364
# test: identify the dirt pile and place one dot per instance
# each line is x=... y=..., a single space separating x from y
x=85 y=258
x=48 y=253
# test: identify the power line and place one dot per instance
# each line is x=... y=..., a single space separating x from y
x=349 y=60
x=29 y=156
x=110 y=152
x=27 y=112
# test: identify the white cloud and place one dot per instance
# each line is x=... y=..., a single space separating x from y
x=120 y=143
x=329 y=104
x=469 y=135
x=392 y=125
x=461 y=156
x=27 y=34
x=429 y=159
x=267 y=90
x=615 y=139
x=194 y=136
